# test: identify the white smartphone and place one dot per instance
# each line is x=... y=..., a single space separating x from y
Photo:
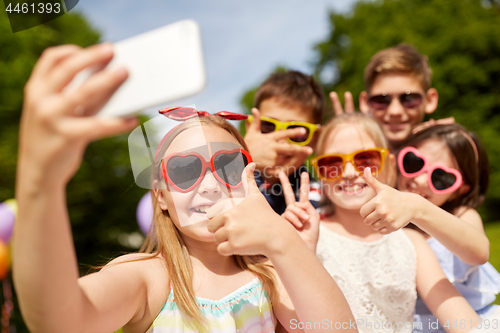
x=164 y=64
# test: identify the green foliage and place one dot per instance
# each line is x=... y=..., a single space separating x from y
x=102 y=197
x=493 y=233
x=460 y=38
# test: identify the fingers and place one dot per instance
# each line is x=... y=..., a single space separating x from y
x=51 y=57
x=372 y=181
x=94 y=55
x=337 y=106
x=221 y=235
x=349 y=102
x=299 y=211
x=215 y=223
x=287 y=189
x=94 y=128
x=248 y=180
x=368 y=208
x=225 y=249
x=289 y=149
x=304 y=187
x=255 y=124
x=96 y=91
x=293 y=219
x=288 y=133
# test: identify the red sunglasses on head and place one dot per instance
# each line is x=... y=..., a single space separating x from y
x=181 y=113
x=184 y=171
x=412 y=163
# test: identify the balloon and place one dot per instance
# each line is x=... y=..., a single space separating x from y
x=8 y=211
x=144 y=213
x=4 y=260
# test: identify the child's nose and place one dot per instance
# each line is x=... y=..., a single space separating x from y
x=422 y=180
x=349 y=171
x=395 y=108
x=209 y=184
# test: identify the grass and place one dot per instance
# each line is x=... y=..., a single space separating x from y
x=493 y=233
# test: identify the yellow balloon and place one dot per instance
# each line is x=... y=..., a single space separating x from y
x=4 y=260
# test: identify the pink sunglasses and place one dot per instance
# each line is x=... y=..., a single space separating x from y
x=441 y=180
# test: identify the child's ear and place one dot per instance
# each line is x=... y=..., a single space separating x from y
x=363 y=102
x=158 y=193
x=431 y=100
x=463 y=189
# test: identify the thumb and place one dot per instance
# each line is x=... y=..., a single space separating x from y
x=255 y=125
x=372 y=181
x=248 y=180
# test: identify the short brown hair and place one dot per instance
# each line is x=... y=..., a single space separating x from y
x=402 y=58
x=293 y=89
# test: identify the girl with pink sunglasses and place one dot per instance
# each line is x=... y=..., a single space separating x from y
x=447 y=166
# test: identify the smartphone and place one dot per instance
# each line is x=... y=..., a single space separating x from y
x=164 y=64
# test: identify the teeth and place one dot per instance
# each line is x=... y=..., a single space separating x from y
x=202 y=209
x=353 y=188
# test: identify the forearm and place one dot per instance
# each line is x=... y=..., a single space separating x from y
x=453 y=312
x=45 y=267
x=313 y=292
x=464 y=240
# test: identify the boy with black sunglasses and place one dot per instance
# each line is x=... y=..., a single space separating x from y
x=398 y=92
x=282 y=133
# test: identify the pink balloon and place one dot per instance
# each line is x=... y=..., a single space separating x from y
x=144 y=213
x=7 y=219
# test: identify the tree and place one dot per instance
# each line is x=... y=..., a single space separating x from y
x=460 y=38
x=102 y=197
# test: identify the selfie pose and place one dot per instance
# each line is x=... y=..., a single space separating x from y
x=200 y=272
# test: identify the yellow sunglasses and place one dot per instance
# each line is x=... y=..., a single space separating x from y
x=331 y=166
x=268 y=125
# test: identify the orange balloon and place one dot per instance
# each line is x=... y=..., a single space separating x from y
x=4 y=260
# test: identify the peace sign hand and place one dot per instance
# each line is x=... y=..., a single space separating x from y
x=302 y=214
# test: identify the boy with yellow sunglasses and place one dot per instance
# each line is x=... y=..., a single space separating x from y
x=282 y=133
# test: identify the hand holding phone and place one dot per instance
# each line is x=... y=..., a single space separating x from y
x=164 y=64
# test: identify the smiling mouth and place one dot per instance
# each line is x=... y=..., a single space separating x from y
x=416 y=192
x=201 y=209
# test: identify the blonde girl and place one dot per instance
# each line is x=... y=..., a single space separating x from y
x=197 y=277
x=379 y=274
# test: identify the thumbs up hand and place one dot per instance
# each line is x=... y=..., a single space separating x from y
x=390 y=209
x=249 y=228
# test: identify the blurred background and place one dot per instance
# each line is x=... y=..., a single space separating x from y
x=243 y=44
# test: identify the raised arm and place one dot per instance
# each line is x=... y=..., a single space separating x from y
x=391 y=210
x=464 y=235
x=56 y=127
x=443 y=300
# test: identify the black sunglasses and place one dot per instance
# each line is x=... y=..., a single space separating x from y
x=408 y=100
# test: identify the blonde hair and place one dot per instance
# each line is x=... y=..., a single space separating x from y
x=165 y=239
x=402 y=58
x=363 y=123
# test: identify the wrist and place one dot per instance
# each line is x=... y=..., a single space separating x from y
x=282 y=240
x=418 y=216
